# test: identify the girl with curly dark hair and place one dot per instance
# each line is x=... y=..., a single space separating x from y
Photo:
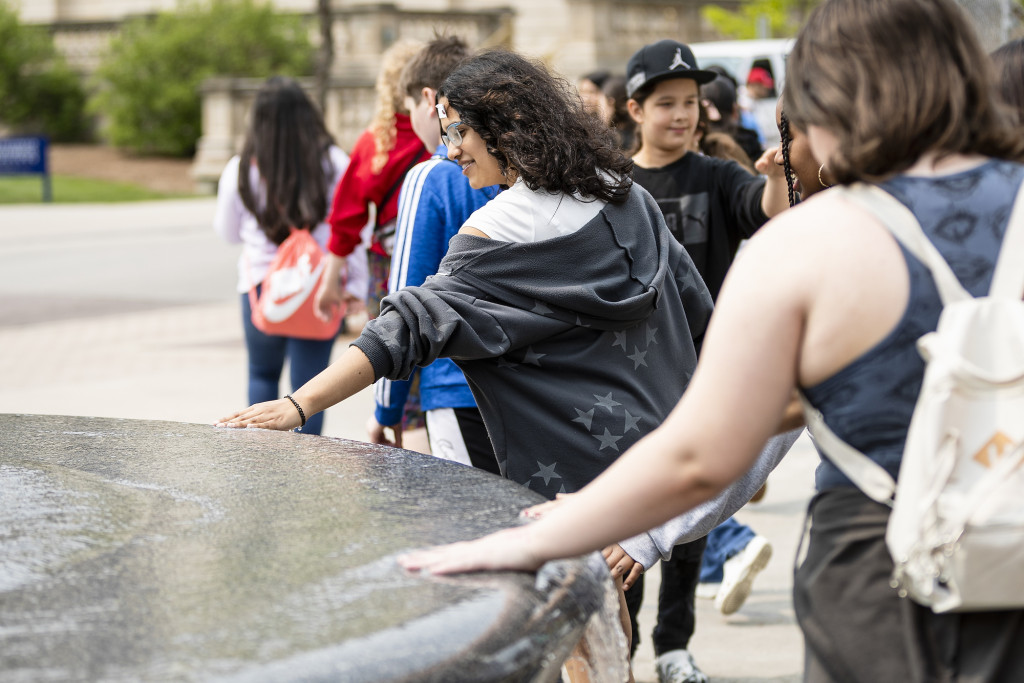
x=535 y=128
x=564 y=300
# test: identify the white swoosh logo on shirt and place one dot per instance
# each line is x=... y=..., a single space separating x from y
x=279 y=311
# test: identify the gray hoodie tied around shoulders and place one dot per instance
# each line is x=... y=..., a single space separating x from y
x=574 y=347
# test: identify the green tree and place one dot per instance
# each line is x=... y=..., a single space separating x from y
x=783 y=18
x=149 y=81
x=39 y=93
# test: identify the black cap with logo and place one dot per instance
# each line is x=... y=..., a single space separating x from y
x=661 y=60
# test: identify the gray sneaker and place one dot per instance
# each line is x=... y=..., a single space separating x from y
x=677 y=666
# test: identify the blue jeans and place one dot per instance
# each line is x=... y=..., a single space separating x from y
x=267 y=353
x=724 y=541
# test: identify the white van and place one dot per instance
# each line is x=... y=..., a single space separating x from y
x=740 y=56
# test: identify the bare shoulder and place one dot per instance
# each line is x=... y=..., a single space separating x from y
x=825 y=227
x=470 y=230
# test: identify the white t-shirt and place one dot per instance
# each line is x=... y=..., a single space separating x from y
x=520 y=214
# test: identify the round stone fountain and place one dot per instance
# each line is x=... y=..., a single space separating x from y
x=133 y=550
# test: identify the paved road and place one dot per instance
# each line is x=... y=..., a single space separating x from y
x=129 y=311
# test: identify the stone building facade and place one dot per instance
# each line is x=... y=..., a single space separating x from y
x=572 y=36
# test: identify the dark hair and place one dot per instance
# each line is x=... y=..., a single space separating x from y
x=598 y=77
x=787 y=166
x=615 y=90
x=1009 y=63
x=290 y=144
x=535 y=125
x=431 y=65
x=722 y=94
x=855 y=70
x=622 y=123
x=724 y=73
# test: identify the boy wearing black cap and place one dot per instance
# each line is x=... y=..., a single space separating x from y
x=710 y=205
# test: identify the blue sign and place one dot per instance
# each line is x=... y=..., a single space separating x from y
x=26 y=156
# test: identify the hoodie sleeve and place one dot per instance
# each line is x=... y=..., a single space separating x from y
x=420 y=243
x=699 y=521
x=446 y=318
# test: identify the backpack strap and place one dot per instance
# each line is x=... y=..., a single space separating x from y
x=1008 y=280
x=870 y=477
x=900 y=221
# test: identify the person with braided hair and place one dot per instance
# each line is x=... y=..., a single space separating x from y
x=804 y=175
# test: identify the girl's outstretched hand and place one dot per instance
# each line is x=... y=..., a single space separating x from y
x=506 y=549
x=279 y=414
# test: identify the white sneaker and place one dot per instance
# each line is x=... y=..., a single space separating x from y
x=738 y=574
x=707 y=591
x=677 y=666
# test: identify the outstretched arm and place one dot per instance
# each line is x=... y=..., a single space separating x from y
x=348 y=375
x=734 y=403
x=775 y=199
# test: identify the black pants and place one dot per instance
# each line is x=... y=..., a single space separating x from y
x=857 y=629
x=676 y=616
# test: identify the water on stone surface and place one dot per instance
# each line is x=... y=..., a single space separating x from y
x=155 y=550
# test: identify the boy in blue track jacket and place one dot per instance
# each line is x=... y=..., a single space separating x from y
x=435 y=201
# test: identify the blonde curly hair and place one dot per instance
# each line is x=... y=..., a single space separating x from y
x=390 y=100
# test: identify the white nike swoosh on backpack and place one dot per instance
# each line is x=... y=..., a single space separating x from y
x=277 y=312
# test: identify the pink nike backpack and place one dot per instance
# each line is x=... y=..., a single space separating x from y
x=285 y=307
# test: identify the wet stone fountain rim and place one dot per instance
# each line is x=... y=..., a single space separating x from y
x=144 y=550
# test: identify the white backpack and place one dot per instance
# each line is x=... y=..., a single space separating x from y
x=956 y=532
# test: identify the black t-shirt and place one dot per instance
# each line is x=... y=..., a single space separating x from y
x=710 y=205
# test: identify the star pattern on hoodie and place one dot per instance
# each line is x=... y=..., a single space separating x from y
x=547 y=472
x=606 y=402
x=584 y=418
x=532 y=357
x=639 y=338
x=638 y=358
x=506 y=364
x=608 y=440
x=388 y=335
x=541 y=308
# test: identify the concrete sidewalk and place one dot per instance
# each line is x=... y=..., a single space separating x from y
x=130 y=311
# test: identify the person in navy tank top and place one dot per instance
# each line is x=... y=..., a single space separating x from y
x=835 y=306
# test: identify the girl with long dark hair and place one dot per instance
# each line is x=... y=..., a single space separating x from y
x=283 y=179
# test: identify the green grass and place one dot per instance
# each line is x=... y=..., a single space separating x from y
x=68 y=189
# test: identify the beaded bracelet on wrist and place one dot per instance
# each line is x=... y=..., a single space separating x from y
x=295 y=403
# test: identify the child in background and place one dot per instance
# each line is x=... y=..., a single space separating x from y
x=259 y=201
x=710 y=205
x=381 y=157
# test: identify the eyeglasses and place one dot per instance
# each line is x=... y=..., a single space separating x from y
x=451 y=136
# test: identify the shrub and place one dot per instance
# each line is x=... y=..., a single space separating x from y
x=39 y=93
x=149 y=81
